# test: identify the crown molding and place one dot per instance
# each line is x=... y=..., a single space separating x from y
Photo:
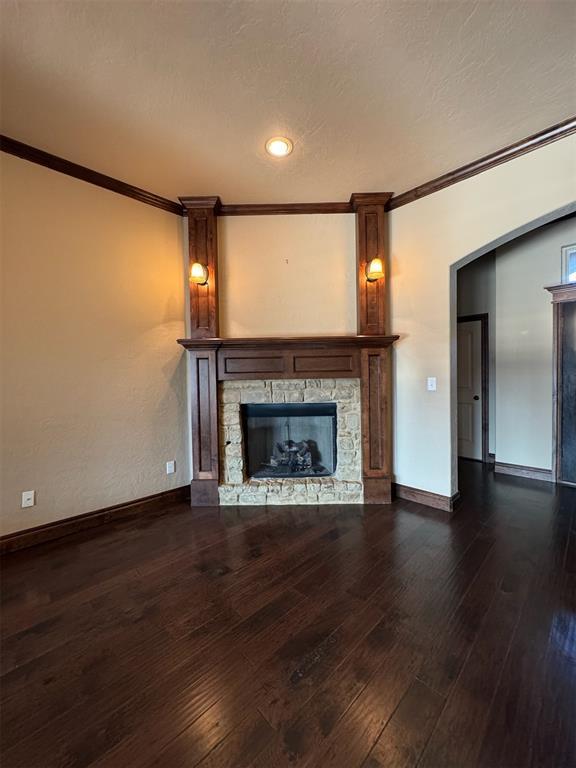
x=271 y=209
x=369 y=198
x=522 y=147
x=201 y=203
x=59 y=164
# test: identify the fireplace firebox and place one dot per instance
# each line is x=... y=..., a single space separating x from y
x=289 y=439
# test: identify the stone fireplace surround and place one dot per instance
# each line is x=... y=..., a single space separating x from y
x=345 y=486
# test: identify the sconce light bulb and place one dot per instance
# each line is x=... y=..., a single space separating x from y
x=374 y=270
x=198 y=273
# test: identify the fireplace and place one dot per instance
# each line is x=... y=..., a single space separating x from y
x=353 y=371
x=320 y=456
x=289 y=439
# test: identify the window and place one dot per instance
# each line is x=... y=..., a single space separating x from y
x=569 y=264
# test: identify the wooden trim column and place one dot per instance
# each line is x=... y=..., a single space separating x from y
x=376 y=388
x=376 y=368
x=204 y=417
x=203 y=248
x=371 y=243
x=562 y=294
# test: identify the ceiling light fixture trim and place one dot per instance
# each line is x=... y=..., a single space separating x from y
x=279 y=146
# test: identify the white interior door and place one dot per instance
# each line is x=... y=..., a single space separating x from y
x=470 y=389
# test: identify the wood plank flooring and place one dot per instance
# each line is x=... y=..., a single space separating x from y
x=329 y=637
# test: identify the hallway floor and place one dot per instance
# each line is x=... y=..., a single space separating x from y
x=300 y=636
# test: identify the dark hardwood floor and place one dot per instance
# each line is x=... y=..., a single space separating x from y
x=341 y=637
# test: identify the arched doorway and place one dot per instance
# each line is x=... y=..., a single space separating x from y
x=488 y=248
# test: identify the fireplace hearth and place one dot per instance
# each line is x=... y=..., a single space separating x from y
x=283 y=440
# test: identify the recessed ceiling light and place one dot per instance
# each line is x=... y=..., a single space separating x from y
x=279 y=146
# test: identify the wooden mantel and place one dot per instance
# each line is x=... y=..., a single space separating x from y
x=290 y=357
x=289 y=342
x=366 y=355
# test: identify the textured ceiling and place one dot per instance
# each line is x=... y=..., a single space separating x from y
x=179 y=97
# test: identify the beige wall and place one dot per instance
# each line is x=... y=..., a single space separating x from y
x=93 y=402
x=427 y=237
x=94 y=385
x=524 y=344
x=287 y=275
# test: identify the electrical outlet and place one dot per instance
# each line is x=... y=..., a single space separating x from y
x=28 y=499
x=431 y=383
x=170 y=467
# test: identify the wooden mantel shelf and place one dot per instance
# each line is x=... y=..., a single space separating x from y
x=290 y=342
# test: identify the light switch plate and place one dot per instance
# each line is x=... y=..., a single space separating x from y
x=28 y=499
x=170 y=467
x=431 y=383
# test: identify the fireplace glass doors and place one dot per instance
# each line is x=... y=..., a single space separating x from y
x=289 y=439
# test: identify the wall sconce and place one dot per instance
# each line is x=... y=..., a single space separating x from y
x=374 y=270
x=198 y=273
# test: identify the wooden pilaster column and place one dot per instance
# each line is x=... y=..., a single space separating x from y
x=203 y=248
x=376 y=384
x=372 y=309
x=563 y=384
x=371 y=243
x=204 y=417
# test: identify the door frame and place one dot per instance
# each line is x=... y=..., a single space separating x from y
x=558 y=301
x=485 y=376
